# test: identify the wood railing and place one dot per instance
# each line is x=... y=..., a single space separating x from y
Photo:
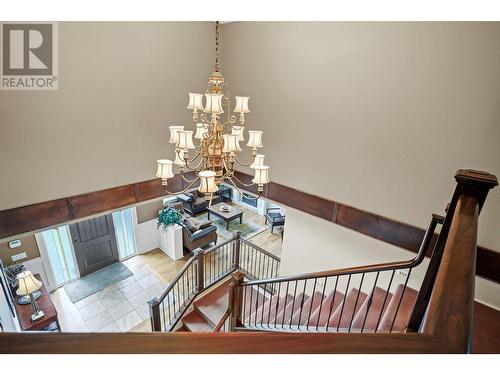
x=445 y=328
x=296 y=288
x=204 y=269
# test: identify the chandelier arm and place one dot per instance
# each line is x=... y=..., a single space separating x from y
x=244 y=164
x=230 y=179
x=186 y=179
x=239 y=181
x=183 y=191
x=186 y=162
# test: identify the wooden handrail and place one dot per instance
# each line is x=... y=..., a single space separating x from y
x=389 y=266
x=222 y=321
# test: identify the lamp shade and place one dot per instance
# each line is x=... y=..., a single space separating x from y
x=261 y=174
x=164 y=170
x=258 y=161
x=186 y=140
x=231 y=143
x=200 y=130
x=241 y=104
x=238 y=130
x=195 y=101
x=179 y=158
x=214 y=103
x=174 y=136
x=207 y=182
x=255 y=139
x=28 y=283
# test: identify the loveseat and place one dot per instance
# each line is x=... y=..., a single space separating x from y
x=194 y=202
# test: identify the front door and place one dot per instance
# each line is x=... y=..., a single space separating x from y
x=94 y=243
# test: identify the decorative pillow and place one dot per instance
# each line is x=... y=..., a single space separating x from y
x=205 y=224
x=192 y=224
x=190 y=196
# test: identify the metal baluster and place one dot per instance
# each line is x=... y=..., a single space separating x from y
x=293 y=303
x=332 y=303
x=311 y=305
x=263 y=302
x=343 y=303
x=270 y=304
x=402 y=295
x=301 y=305
x=321 y=304
x=356 y=302
x=385 y=300
x=169 y=307
x=243 y=303
x=183 y=290
x=370 y=301
x=175 y=297
x=162 y=307
x=250 y=309
x=284 y=303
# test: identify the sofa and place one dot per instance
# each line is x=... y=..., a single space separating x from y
x=195 y=233
x=194 y=202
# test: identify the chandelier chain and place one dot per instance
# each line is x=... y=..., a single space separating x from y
x=217 y=31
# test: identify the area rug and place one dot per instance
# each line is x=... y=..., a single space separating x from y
x=97 y=281
x=248 y=228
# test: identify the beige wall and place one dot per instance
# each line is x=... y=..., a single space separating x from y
x=120 y=85
x=28 y=245
x=148 y=211
x=375 y=115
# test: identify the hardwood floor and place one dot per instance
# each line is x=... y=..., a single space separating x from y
x=153 y=271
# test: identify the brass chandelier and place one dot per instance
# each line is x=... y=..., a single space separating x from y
x=219 y=139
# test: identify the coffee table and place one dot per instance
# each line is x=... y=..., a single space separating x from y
x=226 y=216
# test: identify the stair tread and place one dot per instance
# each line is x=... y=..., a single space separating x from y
x=254 y=300
x=291 y=308
x=213 y=305
x=268 y=311
x=341 y=318
x=194 y=322
x=301 y=317
x=368 y=316
x=404 y=312
x=322 y=314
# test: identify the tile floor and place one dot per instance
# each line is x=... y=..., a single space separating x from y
x=118 y=308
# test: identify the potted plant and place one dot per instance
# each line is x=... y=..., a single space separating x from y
x=170 y=232
x=168 y=216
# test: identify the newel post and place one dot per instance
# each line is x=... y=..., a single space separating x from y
x=200 y=274
x=237 y=247
x=154 y=312
x=235 y=299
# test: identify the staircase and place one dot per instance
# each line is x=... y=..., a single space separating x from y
x=355 y=312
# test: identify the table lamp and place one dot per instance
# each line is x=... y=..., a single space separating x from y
x=28 y=285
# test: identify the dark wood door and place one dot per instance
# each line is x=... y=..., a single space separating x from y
x=94 y=243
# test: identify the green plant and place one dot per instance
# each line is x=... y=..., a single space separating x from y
x=168 y=216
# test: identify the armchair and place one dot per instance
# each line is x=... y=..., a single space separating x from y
x=195 y=234
x=274 y=216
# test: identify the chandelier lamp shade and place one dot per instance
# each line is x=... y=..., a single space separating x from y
x=217 y=135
